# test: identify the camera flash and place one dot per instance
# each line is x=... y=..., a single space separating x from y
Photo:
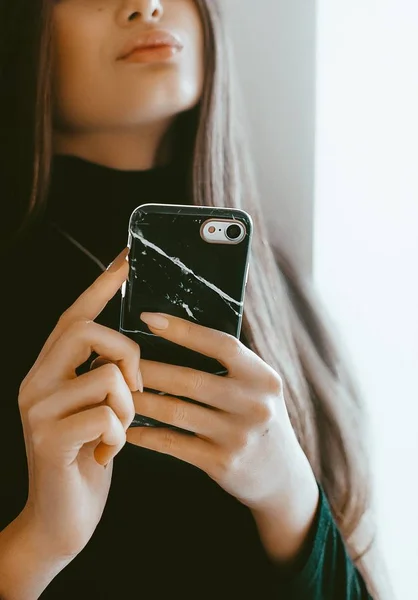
x=212 y=229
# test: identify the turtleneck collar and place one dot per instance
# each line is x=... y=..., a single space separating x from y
x=92 y=203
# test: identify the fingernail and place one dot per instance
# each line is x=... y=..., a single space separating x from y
x=140 y=382
x=118 y=262
x=155 y=320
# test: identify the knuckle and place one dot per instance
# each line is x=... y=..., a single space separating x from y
x=226 y=465
x=35 y=415
x=29 y=395
x=23 y=399
x=231 y=347
x=241 y=440
x=188 y=332
x=67 y=320
x=107 y=416
x=79 y=328
x=264 y=412
x=274 y=383
x=167 y=442
x=195 y=382
x=133 y=347
x=64 y=319
x=113 y=376
x=115 y=383
x=179 y=413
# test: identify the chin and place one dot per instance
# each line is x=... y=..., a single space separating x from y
x=162 y=107
x=166 y=92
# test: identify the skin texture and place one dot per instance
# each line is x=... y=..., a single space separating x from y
x=244 y=439
x=117 y=114
x=110 y=111
x=74 y=426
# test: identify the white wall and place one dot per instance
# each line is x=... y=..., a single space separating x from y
x=366 y=237
x=363 y=172
x=275 y=52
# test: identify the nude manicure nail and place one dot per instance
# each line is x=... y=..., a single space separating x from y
x=155 y=320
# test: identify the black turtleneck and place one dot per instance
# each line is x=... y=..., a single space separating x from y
x=167 y=529
x=93 y=203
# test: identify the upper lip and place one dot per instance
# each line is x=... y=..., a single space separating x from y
x=151 y=39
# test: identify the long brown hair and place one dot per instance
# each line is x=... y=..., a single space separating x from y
x=283 y=321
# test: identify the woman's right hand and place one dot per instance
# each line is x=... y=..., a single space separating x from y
x=75 y=425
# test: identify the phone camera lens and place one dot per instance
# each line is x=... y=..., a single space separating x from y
x=233 y=232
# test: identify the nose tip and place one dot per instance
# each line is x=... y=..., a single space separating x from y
x=152 y=16
x=148 y=12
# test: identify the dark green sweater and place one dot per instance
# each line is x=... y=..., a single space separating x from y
x=168 y=531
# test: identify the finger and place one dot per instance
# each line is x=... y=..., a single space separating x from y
x=205 y=422
x=93 y=300
x=89 y=305
x=100 y=422
x=104 y=384
x=76 y=345
x=192 y=450
x=100 y=361
x=225 y=348
x=218 y=392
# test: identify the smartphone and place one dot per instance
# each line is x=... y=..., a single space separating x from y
x=191 y=262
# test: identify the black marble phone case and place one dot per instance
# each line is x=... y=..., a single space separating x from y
x=174 y=271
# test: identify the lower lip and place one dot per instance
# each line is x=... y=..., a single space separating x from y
x=150 y=55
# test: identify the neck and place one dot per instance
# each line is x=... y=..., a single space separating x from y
x=132 y=150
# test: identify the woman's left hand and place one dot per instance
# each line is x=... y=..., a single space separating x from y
x=243 y=436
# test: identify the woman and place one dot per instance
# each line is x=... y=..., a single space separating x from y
x=94 y=128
